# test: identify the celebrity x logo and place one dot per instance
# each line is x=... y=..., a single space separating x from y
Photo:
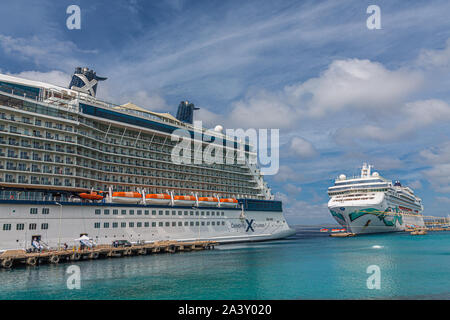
x=249 y=225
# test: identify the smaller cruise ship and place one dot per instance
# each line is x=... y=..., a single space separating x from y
x=370 y=203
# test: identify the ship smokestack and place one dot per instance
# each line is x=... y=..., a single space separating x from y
x=85 y=80
x=185 y=112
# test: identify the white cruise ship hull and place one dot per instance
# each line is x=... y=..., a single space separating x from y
x=373 y=218
x=105 y=223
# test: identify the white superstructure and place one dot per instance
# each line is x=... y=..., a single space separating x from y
x=370 y=203
x=71 y=164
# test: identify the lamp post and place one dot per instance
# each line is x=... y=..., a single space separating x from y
x=60 y=220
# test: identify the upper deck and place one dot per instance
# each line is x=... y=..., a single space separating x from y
x=63 y=140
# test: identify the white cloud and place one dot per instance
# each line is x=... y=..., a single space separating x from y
x=439 y=177
x=54 y=77
x=356 y=84
x=416 y=184
x=439 y=173
x=43 y=51
x=437 y=154
x=409 y=118
x=152 y=102
x=302 y=148
x=435 y=58
x=262 y=109
x=350 y=84
x=299 y=211
x=292 y=189
x=286 y=173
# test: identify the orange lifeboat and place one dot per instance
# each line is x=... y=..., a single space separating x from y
x=184 y=200
x=158 y=198
x=126 y=197
x=228 y=202
x=90 y=196
x=208 y=202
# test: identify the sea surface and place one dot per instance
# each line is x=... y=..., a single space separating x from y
x=309 y=265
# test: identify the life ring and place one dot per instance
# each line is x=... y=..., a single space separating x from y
x=32 y=261
x=11 y=197
x=93 y=255
x=54 y=259
x=7 y=263
x=75 y=257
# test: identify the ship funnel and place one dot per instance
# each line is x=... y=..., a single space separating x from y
x=85 y=80
x=185 y=112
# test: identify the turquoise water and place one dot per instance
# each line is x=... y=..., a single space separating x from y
x=308 y=266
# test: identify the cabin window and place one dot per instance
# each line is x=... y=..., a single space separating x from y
x=115 y=224
x=33 y=210
x=44 y=226
x=20 y=226
x=7 y=227
x=32 y=226
x=131 y=224
x=106 y=225
x=124 y=212
x=97 y=225
x=45 y=210
x=139 y=212
x=106 y=211
x=123 y=224
x=131 y=212
x=115 y=212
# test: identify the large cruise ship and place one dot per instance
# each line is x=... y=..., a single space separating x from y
x=370 y=203
x=73 y=165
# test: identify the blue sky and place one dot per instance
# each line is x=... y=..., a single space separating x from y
x=340 y=93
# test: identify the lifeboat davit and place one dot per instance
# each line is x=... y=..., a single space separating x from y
x=90 y=196
x=208 y=202
x=126 y=197
x=184 y=200
x=159 y=198
x=228 y=203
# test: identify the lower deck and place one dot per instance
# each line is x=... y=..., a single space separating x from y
x=55 y=224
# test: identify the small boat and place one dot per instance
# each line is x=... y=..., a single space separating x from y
x=228 y=203
x=184 y=200
x=158 y=198
x=323 y=230
x=90 y=196
x=338 y=230
x=208 y=202
x=126 y=197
